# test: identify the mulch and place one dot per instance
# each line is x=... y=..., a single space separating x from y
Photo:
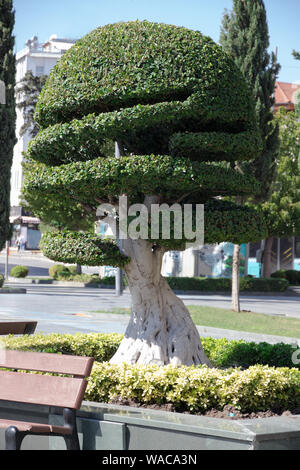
x=229 y=412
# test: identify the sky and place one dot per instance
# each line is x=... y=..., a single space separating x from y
x=75 y=18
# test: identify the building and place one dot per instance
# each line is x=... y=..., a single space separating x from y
x=286 y=95
x=39 y=59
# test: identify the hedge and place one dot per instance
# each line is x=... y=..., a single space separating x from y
x=1 y=280
x=291 y=275
x=97 y=345
x=224 y=284
x=19 y=271
x=192 y=389
x=56 y=269
x=221 y=284
x=102 y=346
x=197 y=389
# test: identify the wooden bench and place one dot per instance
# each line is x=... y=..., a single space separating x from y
x=17 y=327
x=57 y=391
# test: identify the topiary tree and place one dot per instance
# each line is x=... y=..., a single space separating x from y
x=180 y=111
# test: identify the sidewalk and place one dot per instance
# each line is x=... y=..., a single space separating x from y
x=217 y=333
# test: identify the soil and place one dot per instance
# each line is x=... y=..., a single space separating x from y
x=229 y=412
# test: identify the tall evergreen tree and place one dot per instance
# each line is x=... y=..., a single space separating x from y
x=7 y=113
x=245 y=36
x=28 y=92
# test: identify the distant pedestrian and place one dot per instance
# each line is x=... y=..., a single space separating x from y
x=22 y=243
x=18 y=243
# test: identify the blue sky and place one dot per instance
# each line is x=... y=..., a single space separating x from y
x=75 y=18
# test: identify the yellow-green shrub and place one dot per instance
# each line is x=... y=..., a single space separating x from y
x=196 y=389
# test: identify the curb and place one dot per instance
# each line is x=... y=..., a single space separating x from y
x=11 y=290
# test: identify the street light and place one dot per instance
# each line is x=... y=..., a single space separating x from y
x=119 y=273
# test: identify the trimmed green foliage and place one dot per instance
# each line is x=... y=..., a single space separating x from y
x=215 y=145
x=100 y=346
x=240 y=353
x=19 y=271
x=126 y=64
x=84 y=248
x=260 y=387
x=139 y=83
x=102 y=178
x=224 y=284
x=56 y=269
x=82 y=139
x=197 y=389
x=221 y=218
x=291 y=275
x=1 y=280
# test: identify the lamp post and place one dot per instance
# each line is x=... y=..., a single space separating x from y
x=6 y=260
x=119 y=273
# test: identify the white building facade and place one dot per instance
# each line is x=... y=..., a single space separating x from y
x=39 y=59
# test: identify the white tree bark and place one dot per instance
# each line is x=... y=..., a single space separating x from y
x=160 y=329
x=236 y=279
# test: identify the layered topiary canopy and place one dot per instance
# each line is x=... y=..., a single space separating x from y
x=181 y=111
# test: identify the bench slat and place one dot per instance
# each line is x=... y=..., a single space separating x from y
x=17 y=327
x=47 y=390
x=46 y=362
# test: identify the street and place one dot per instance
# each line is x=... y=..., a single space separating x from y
x=73 y=309
x=60 y=309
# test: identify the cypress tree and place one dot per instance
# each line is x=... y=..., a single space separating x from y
x=28 y=91
x=7 y=113
x=245 y=36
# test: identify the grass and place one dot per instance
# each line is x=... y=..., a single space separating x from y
x=244 y=321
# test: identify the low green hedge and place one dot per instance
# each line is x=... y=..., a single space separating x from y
x=57 y=269
x=224 y=284
x=259 y=387
x=97 y=345
x=291 y=275
x=197 y=389
x=1 y=280
x=102 y=346
x=19 y=271
x=205 y=284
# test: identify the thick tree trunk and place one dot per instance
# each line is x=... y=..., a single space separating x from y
x=236 y=279
x=160 y=330
x=267 y=257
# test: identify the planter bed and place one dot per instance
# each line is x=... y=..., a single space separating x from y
x=112 y=427
x=152 y=407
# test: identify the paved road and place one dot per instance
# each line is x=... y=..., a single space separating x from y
x=72 y=309
x=37 y=264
